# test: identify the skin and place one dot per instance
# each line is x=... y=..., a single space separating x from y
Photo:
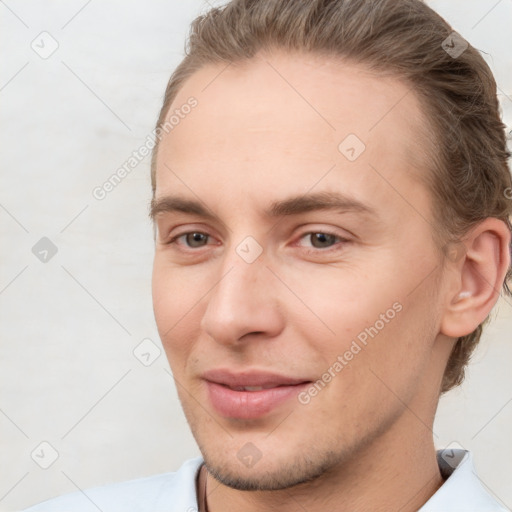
x=264 y=132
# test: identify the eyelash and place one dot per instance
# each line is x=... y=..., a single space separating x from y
x=334 y=247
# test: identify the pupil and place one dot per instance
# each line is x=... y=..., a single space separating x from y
x=196 y=239
x=322 y=240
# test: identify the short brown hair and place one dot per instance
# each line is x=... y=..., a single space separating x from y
x=469 y=179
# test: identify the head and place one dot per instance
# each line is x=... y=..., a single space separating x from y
x=336 y=207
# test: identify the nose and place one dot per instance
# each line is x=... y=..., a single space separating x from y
x=242 y=303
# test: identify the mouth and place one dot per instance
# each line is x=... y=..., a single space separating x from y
x=258 y=388
x=251 y=394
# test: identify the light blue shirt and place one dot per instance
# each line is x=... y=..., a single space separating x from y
x=176 y=492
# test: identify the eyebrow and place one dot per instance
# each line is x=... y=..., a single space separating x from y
x=291 y=206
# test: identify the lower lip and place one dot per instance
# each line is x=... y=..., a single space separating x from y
x=249 y=404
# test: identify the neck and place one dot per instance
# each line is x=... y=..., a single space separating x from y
x=397 y=471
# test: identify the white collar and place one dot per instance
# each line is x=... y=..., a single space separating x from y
x=462 y=491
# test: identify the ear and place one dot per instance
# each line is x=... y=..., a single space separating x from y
x=478 y=266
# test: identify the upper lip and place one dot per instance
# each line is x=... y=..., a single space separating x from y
x=250 y=378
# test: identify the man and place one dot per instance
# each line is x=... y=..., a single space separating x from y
x=332 y=230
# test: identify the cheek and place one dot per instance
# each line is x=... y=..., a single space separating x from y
x=369 y=373
x=174 y=290
x=346 y=302
x=176 y=308
x=396 y=346
x=370 y=324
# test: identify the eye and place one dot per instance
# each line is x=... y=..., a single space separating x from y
x=316 y=240
x=193 y=239
x=320 y=240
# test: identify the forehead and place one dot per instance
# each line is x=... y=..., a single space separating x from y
x=279 y=120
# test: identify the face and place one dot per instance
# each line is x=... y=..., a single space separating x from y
x=295 y=280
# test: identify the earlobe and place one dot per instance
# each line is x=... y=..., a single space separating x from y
x=479 y=275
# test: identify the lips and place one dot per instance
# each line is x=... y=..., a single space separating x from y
x=250 y=394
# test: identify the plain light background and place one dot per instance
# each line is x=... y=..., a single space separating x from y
x=69 y=326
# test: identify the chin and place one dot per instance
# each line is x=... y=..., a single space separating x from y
x=270 y=475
